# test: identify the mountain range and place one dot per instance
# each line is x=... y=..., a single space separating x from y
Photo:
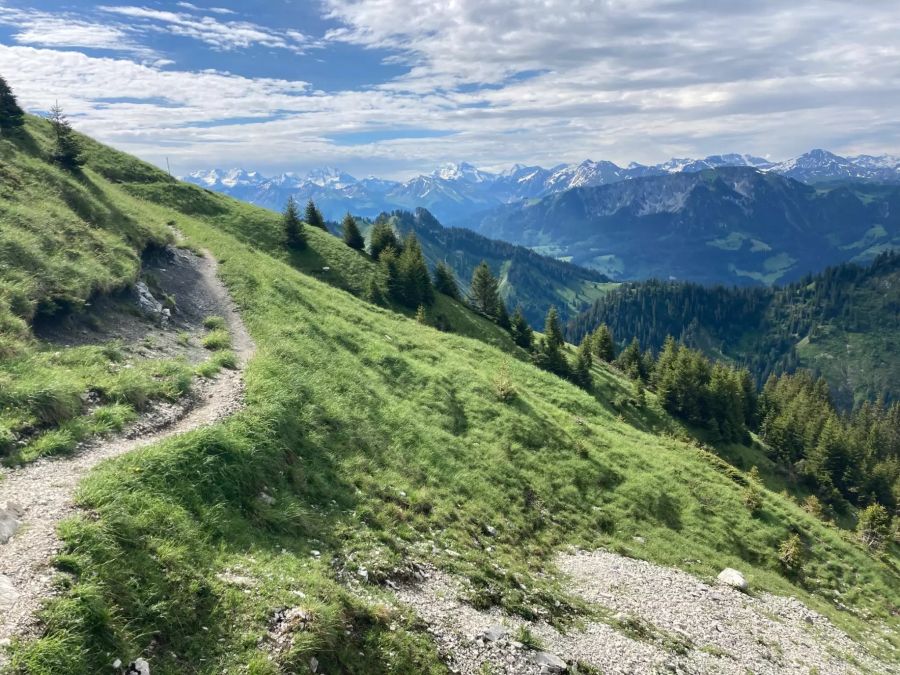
x=456 y=191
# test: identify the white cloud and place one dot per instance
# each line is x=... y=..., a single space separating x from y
x=221 y=35
x=513 y=80
x=60 y=30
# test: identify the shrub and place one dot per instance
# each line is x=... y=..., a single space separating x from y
x=874 y=526
x=813 y=507
x=790 y=554
x=503 y=386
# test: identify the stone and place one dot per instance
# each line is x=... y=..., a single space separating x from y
x=266 y=498
x=639 y=540
x=314 y=664
x=490 y=530
x=549 y=663
x=9 y=523
x=8 y=593
x=138 y=667
x=733 y=578
x=495 y=633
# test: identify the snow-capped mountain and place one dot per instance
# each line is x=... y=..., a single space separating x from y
x=455 y=191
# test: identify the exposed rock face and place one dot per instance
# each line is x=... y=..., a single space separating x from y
x=733 y=578
x=550 y=663
x=150 y=305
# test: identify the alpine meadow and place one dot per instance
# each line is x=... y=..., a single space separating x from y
x=602 y=417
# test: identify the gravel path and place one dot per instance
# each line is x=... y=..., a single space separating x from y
x=35 y=498
x=675 y=624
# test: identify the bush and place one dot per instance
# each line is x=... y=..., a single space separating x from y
x=503 y=386
x=813 y=507
x=790 y=554
x=874 y=526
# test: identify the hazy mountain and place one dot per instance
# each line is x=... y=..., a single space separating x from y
x=457 y=191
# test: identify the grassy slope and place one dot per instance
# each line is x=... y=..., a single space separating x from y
x=382 y=442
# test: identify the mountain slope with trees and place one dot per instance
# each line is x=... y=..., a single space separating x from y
x=842 y=323
x=372 y=444
x=732 y=225
x=529 y=280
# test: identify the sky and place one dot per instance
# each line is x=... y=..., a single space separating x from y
x=397 y=87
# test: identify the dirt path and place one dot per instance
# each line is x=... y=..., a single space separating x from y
x=34 y=499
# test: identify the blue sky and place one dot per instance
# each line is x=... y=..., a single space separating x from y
x=396 y=87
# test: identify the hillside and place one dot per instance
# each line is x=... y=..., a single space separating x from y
x=529 y=280
x=842 y=323
x=725 y=225
x=372 y=450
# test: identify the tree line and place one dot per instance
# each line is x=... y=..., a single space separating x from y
x=849 y=458
x=757 y=327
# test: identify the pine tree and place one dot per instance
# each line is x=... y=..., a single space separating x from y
x=522 y=334
x=631 y=361
x=352 y=236
x=581 y=371
x=413 y=280
x=503 y=316
x=445 y=281
x=12 y=117
x=66 y=149
x=382 y=237
x=294 y=234
x=553 y=329
x=604 y=347
x=421 y=315
x=485 y=291
x=314 y=216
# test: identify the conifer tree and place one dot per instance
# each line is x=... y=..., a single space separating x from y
x=12 y=117
x=413 y=280
x=314 y=216
x=294 y=234
x=352 y=236
x=522 y=334
x=631 y=361
x=604 y=347
x=581 y=371
x=382 y=237
x=503 y=316
x=66 y=148
x=553 y=329
x=485 y=291
x=445 y=281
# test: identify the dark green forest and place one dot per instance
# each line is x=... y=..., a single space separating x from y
x=842 y=324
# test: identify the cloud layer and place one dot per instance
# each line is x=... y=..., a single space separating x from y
x=499 y=82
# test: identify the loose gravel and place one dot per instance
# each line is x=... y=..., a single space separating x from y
x=661 y=620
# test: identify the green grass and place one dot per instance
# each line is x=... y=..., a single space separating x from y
x=382 y=442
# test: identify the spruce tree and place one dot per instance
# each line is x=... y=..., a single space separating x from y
x=503 y=316
x=445 y=281
x=604 y=347
x=413 y=280
x=521 y=332
x=294 y=234
x=553 y=329
x=352 y=236
x=581 y=371
x=485 y=291
x=382 y=238
x=66 y=148
x=314 y=216
x=12 y=117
